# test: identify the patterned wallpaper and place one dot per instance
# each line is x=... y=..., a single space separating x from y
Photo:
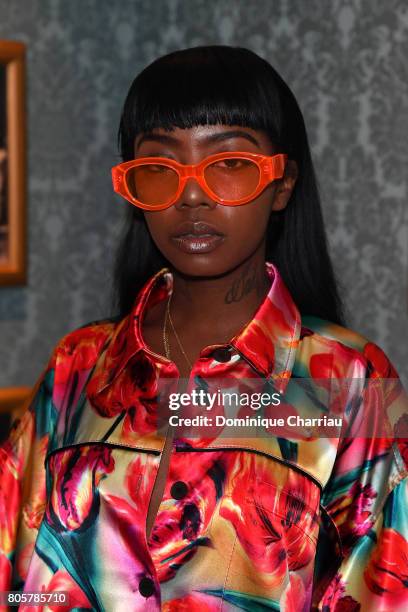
x=344 y=59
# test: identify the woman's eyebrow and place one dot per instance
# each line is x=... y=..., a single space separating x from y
x=218 y=137
x=158 y=138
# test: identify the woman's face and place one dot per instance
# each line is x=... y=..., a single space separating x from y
x=236 y=232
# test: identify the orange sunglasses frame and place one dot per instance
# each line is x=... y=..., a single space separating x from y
x=270 y=169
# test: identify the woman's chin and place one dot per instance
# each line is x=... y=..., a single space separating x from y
x=201 y=265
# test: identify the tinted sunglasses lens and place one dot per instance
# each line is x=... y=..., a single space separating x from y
x=232 y=178
x=152 y=184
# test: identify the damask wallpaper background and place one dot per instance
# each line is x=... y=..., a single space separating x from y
x=345 y=61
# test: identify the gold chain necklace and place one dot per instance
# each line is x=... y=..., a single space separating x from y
x=166 y=338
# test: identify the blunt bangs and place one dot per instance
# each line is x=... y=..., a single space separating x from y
x=203 y=86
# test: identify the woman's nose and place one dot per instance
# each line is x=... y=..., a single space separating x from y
x=193 y=195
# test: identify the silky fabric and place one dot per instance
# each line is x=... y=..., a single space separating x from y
x=244 y=523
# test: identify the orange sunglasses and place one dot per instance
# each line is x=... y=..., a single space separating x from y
x=231 y=178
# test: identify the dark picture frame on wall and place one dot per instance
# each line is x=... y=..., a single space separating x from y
x=13 y=401
x=13 y=264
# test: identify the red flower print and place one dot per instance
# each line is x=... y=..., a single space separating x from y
x=338 y=372
x=125 y=536
x=351 y=512
x=340 y=362
x=104 y=388
x=335 y=600
x=379 y=364
x=33 y=510
x=79 y=350
x=10 y=498
x=77 y=473
x=135 y=390
x=181 y=527
x=387 y=571
x=347 y=604
x=321 y=365
x=294 y=596
x=61 y=582
x=271 y=523
x=190 y=603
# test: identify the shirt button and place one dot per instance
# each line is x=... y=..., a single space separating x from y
x=178 y=490
x=146 y=587
x=222 y=355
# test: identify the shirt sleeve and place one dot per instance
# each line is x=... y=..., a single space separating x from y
x=362 y=564
x=22 y=482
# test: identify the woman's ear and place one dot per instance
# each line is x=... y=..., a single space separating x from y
x=285 y=185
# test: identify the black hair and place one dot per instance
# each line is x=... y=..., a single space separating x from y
x=227 y=85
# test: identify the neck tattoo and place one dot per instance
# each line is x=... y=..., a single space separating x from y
x=251 y=278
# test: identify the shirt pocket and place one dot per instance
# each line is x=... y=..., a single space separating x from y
x=269 y=516
x=93 y=530
x=86 y=478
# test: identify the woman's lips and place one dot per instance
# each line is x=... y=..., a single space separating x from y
x=197 y=237
x=192 y=243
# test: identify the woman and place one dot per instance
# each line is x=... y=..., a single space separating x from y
x=223 y=275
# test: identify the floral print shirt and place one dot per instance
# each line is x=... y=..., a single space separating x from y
x=244 y=524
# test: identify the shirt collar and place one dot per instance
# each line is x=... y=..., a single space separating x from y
x=268 y=341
